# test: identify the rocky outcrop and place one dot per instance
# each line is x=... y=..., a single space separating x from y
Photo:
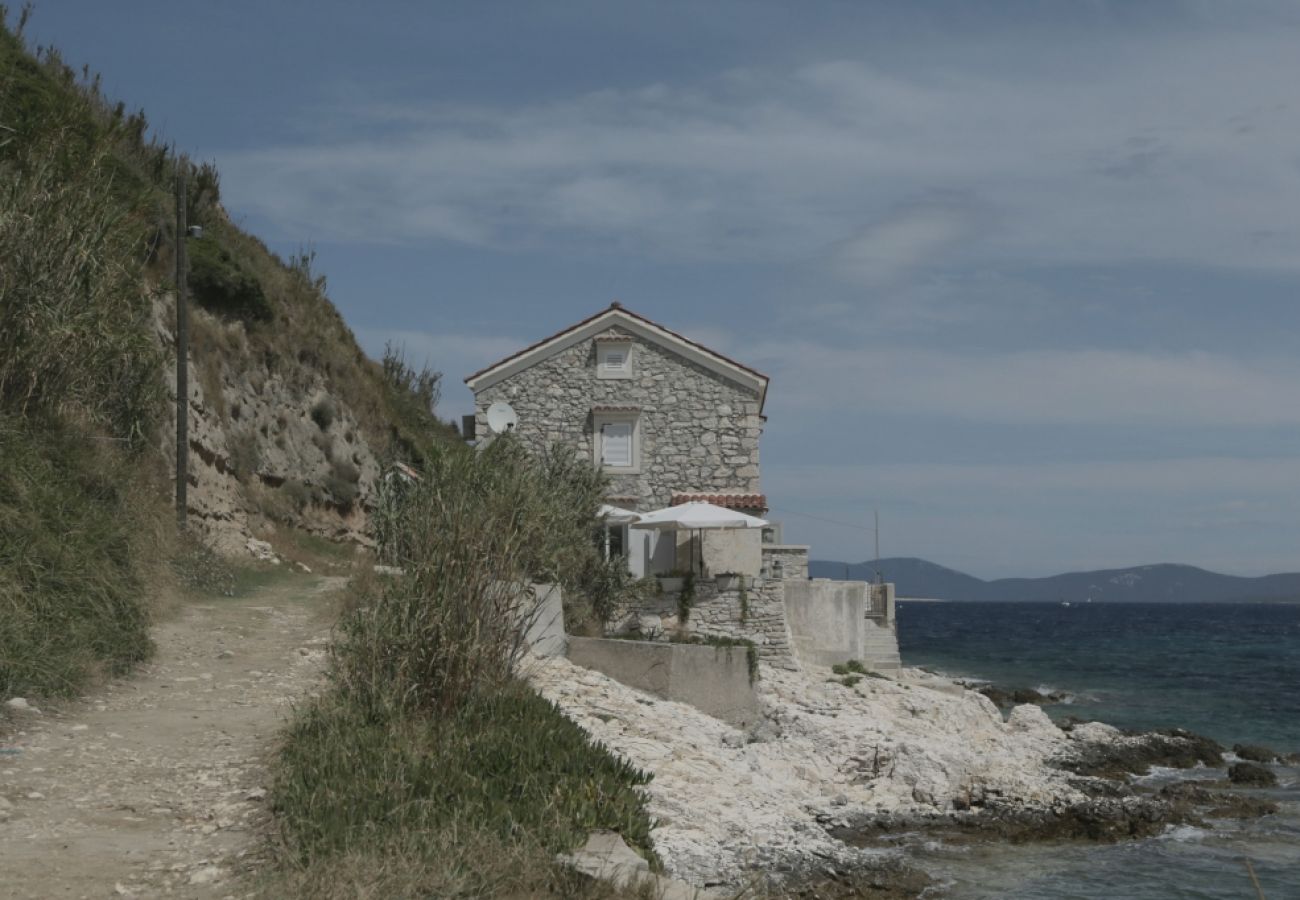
x=1249 y=774
x=269 y=446
x=828 y=758
x=834 y=770
x=1104 y=751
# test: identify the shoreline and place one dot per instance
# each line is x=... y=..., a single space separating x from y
x=832 y=766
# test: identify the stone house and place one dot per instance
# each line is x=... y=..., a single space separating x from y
x=668 y=419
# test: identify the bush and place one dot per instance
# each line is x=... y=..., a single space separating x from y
x=506 y=763
x=426 y=752
x=221 y=285
x=245 y=455
x=477 y=528
x=323 y=413
x=74 y=524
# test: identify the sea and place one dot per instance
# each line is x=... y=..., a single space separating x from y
x=1229 y=671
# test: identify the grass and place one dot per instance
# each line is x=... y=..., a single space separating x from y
x=505 y=763
x=426 y=758
x=76 y=528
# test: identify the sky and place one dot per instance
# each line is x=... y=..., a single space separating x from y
x=1024 y=275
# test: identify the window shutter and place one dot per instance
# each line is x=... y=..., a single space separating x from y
x=616 y=444
x=615 y=359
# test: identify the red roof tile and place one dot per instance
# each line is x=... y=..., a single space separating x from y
x=730 y=501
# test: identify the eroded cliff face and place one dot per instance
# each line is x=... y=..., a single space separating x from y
x=271 y=446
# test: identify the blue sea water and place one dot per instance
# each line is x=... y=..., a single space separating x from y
x=1229 y=671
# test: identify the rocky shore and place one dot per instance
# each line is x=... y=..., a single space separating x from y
x=819 y=792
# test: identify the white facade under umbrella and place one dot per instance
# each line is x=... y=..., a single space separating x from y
x=614 y=515
x=696 y=515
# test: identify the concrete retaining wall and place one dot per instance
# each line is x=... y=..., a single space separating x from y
x=544 y=621
x=715 y=680
x=826 y=619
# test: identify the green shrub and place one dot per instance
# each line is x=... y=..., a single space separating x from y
x=245 y=455
x=426 y=749
x=505 y=762
x=323 y=413
x=74 y=524
x=686 y=599
x=221 y=285
x=298 y=493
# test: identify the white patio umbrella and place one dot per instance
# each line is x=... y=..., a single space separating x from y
x=696 y=516
x=614 y=515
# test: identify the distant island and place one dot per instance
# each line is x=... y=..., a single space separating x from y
x=1160 y=583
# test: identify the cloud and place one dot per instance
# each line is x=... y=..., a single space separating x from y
x=1061 y=387
x=1175 y=146
x=1103 y=480
x=903 y=241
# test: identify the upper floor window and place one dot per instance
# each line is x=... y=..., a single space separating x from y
x=617 y=440
x=614 y=359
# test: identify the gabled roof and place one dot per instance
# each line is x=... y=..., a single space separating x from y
x=636 y=325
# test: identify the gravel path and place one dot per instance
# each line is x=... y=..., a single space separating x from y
x=155 y=785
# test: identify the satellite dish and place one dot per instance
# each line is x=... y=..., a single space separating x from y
x=501 y=417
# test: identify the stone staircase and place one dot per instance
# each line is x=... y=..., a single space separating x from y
x=880 y=647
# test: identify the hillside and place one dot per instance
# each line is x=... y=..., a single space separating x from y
x=290 y=424
x=289 y=421
x=1163 y=583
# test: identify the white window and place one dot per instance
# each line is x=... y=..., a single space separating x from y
x=617 y=441
x=613 y=359
x=616 y=444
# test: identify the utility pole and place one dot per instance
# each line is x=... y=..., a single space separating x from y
x=876 y=512
x=182 y=351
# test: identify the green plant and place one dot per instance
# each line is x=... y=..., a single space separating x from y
x=77 y=526
x=850 y=667
x=245 y=454
x=425 y=749
x=324 y=412
x=743 y=599
x=222 y=285
x=298 y=494
x=686 y=599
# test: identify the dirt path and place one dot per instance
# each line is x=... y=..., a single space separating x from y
x=154 y=786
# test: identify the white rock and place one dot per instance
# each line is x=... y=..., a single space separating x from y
x=725 y=810
x=205 y=875
x=261 y=549
x=1095 y=733
x=1029 y=717
x=20 y=706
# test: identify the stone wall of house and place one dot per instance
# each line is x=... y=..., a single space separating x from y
x=717 y=611
x=698 y=430
x=785 y=562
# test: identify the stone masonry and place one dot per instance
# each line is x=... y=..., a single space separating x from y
x=717 y=611
x=698 y=431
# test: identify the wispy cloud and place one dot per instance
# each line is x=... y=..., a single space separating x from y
x=1180 y=147
x=1062 y=387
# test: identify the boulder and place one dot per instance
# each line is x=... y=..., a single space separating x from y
x=1254 y=753
x=1251 y=774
